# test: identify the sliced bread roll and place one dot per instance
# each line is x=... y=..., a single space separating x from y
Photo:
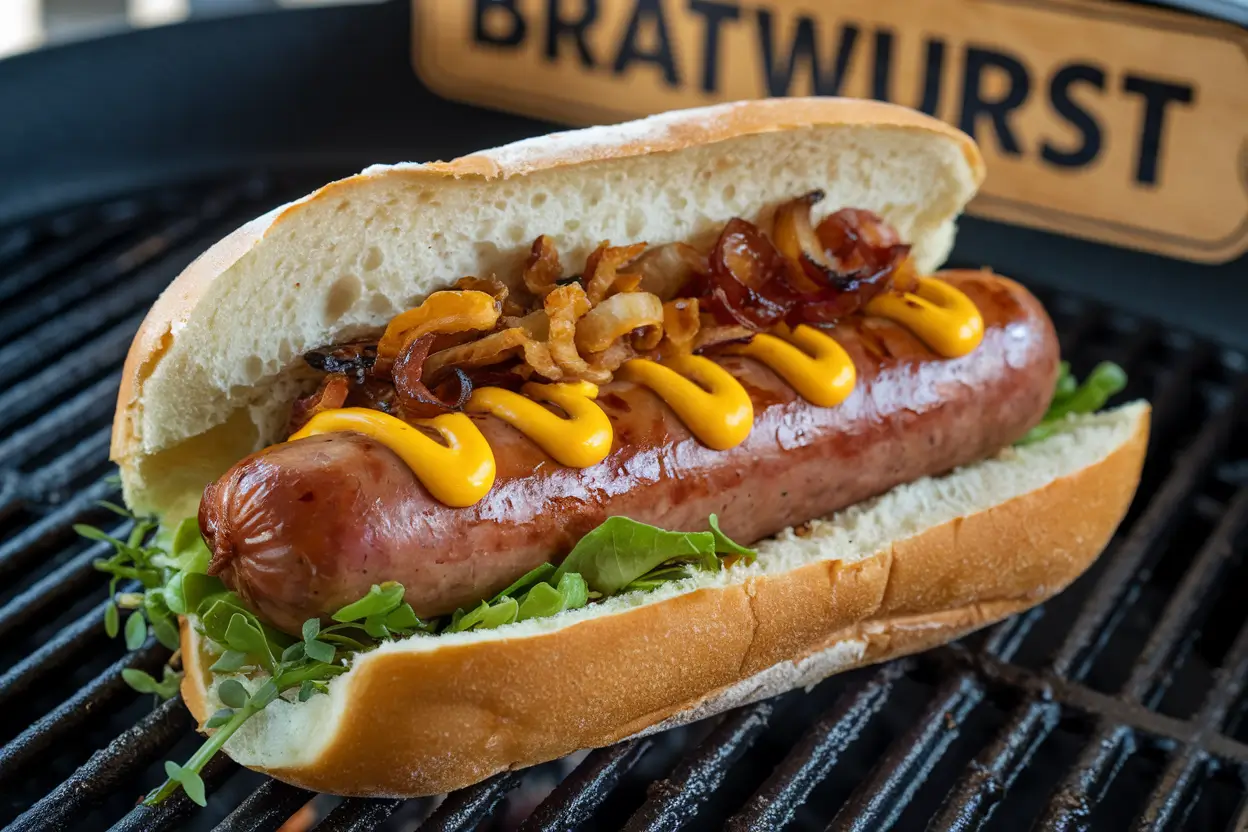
x=918 y=566
x=215 y=366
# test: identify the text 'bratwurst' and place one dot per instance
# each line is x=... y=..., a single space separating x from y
x=304 y=527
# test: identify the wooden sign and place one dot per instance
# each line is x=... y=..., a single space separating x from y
x=1107 y=121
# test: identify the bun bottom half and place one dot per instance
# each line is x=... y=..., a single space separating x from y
x=917 y=567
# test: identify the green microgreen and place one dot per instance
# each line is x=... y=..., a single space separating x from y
x=219 y=718
x=260 y=664
x=528 y=579
x=232 y=693
x=189 y=779
x=136 y=631
x=144 y=682
x=231 y=661
x=319 y=651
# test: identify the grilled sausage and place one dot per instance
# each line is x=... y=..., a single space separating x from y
x=302 y=528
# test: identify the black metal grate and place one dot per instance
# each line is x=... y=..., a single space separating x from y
x=1118 y=705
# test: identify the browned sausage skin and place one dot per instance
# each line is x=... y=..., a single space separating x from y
x=302 y=528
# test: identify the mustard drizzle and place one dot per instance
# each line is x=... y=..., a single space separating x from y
x=707 y=398
x=579 y=440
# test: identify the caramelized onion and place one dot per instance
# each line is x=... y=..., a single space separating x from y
x=610 y=359
x=626 y=283
x=905 y=278
x=744 y=281
x=449 y=311
x=418 y=401
x=492 y=349
x=542 y=270
x=536 y=324
x=681 y=322
x=808 y=277
x=867 y=250
x=714 y=336
x=627 y=301
x=602 y=268
x=564 y=307
x=647 y=338
x=809 y=265
x=866 y=226
x=616 y=317
x=353 y=359
x=491 y=286
x=330 y=395
x=376 y=394
x=866 y=260
x=537 y=357
x=667 y=270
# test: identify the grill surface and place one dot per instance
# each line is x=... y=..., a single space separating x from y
x=1118 y=705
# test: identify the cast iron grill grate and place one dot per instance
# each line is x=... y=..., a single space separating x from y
x=1118 y=705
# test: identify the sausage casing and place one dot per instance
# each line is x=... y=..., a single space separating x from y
x=302 y=528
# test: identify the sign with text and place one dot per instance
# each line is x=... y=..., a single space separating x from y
x=1107 y=121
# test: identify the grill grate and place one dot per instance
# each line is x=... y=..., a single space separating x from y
x=1117 y=705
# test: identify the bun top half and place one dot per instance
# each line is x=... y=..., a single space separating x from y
x=216 y=363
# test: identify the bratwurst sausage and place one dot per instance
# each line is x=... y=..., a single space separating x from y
x=302 y=528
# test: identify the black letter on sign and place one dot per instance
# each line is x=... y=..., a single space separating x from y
x=1157 y=94
x=780 y=79
x=559 y=27
x=661 y=55
x=512 y=37
x=883 y=63
x=715 y=14
x=935 y=67
x=1079 y=118
x=974 y=105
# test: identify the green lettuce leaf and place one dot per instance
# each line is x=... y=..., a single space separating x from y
x=544 y=600
x=655 y=578
x=620 y=551
x=486 y=616
x=1071 y=398
x=381 y=599
x=187 y=550
x=525 y=581
x=725 y=545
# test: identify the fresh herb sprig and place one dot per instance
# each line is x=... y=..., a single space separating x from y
x=301 y=667
x=1070 y=398
x=621 y=555
x=144 y=682
x=144 y=564
x=131 y=560
x=169 y=569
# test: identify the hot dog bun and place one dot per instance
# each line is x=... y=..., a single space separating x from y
x=919 y=566
x=215 y=365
